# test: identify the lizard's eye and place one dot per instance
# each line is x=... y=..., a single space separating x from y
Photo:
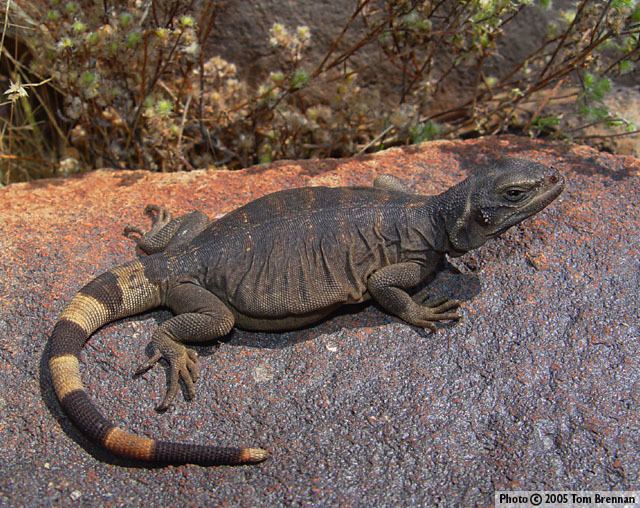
x=515 y=194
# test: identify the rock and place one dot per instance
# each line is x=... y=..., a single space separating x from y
x=538 y=386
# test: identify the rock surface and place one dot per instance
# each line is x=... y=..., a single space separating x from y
x=537 y=388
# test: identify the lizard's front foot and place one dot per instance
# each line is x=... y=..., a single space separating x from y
x=438 y=310
x=183 y=365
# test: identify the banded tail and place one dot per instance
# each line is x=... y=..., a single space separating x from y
x=118 y=293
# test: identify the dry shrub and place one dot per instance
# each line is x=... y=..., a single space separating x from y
x=125 y=84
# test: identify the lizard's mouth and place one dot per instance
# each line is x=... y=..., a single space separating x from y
x=554 y=186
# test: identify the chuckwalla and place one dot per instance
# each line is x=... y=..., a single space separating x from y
x=281 y=262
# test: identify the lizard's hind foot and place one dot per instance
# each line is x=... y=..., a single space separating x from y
x=166 y=231
x=160 y=216
x=155 y=239
x=183 y=366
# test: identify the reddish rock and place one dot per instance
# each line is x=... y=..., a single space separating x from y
x=538 y=387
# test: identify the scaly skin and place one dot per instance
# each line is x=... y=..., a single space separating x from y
x=282 y=262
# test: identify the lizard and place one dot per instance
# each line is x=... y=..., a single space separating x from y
x=282 y=262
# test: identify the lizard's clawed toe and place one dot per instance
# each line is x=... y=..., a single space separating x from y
x=133 y=232
x=441 y=309
x=181 y=368
x=148 y=364
x=445 y=306
x=192 y=365
x=153 y=240
x=436 y=301
x=448 y=316
x=426 y=324
x=159 y=215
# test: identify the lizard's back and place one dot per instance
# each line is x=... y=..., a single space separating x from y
x=303 y=250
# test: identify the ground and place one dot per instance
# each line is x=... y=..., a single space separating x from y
x=537 y=388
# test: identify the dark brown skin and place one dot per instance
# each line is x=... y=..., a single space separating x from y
x=282 y=262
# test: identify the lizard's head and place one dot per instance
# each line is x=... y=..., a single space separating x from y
x=487 y=204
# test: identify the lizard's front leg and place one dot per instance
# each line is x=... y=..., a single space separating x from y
x=200 y=316
x=388 y=285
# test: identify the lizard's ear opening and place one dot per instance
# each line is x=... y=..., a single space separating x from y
x=466 y=233
x=464 y=221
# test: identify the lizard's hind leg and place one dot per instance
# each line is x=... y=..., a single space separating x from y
x=166 y=231
x=200 y=316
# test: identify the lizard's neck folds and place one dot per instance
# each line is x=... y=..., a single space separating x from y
x=428 y=222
